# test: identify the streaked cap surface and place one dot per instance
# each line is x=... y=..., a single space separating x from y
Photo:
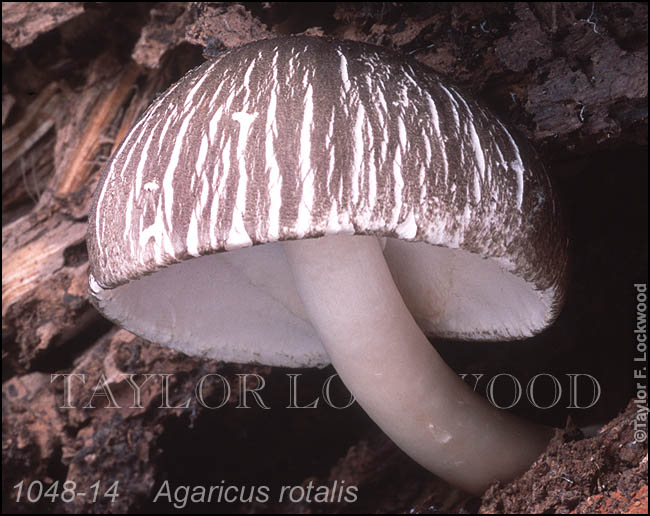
x=302 y=137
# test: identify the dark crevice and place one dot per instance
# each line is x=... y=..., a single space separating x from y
x=67 y=346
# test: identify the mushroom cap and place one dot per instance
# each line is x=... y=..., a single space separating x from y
x=303 y=137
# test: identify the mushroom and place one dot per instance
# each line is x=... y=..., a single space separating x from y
x=300 y=201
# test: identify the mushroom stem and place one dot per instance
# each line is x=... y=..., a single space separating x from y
x=397 y=376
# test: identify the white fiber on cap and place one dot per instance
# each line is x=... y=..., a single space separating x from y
x=302 y=137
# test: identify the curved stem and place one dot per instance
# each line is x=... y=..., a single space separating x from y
x=397 y=376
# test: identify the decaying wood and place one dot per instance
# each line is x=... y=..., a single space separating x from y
x=571 y=76
x=44 y=264
x=79 y=162
x=23 y=22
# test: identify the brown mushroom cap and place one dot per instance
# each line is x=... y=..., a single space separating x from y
x=302 y=137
